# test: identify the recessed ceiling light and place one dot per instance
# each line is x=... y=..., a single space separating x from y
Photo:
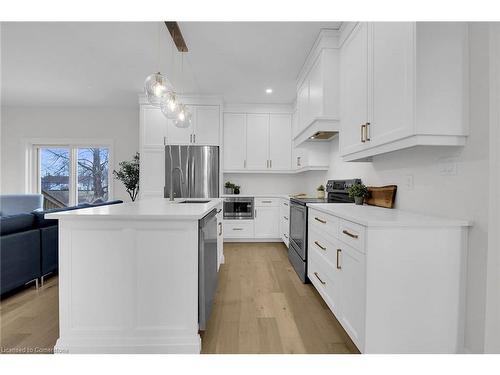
x=269 y=91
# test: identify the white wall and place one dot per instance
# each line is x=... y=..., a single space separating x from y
x=464 y=195
x=118 y=124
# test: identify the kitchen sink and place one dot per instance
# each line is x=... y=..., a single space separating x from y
x=193 y=201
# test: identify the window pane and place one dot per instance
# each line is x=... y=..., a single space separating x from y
x=54 y=176
x=92 y=175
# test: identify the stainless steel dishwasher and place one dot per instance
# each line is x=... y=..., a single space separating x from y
x=207 y=266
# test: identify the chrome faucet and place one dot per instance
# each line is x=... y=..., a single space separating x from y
x=172 y=181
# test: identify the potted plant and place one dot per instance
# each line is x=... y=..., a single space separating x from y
x=358 y=192
x=321 y=191
x=228 y=188
x=236 y=189
x=128 y=173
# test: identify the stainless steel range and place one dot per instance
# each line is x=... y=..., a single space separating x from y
x=297 y=250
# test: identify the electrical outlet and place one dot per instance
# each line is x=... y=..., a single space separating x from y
x=409 y=182
x=447 y=166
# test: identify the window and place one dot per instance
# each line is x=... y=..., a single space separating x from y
x=70 y=175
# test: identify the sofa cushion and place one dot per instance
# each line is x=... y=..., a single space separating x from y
x=12 y=204
x=16 y=223
x=117 y=201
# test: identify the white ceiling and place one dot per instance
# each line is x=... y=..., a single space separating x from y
x=105 y=64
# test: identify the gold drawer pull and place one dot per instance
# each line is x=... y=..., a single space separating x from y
x=267 y=201
x=339 y=267
x=320 y=220
x=321 y=247
x=237 y=228
x=350 y=234
x=321 y=281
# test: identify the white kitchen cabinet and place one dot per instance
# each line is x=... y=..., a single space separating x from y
x=267 y=222
x=354 y=88
x=181 y=136
x=204 y=128
x=220 y=239
x=285 y=221
x=234 y=141
x=318 y=89
x=206 y=125
x=414 y=91
x=153 y=127
x=280 y=142
x=257 y=141
x=152 y=172
x=393 y=279
x=311 y=157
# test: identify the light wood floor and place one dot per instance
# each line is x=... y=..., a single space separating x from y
x=260 y=307
x=30 y=320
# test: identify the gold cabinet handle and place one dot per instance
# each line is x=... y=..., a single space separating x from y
x=367 y=131
x=237 y=228
x=267 y=201
x=321 y=247
x=320 y=220
x=350 y=234
x=220 y=229
x=321 y=281
x=339 y=267
x=363 y=134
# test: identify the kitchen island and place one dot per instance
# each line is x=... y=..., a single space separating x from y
x=128 y=277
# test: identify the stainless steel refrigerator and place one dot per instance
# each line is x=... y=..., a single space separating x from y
x=194 y=171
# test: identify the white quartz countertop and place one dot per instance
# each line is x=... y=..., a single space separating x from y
x=371 y=216
x=150 y=209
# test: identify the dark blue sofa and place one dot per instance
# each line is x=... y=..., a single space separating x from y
x=29 y=246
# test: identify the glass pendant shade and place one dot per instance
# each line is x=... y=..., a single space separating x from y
x=170 y=107
x=183 y=118
x=157 y=88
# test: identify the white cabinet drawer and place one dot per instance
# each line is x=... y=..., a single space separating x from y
x=329 y=248
x=267 y=202
x=352 y=234
x=326 y=281
x=323 y=222
x=238 y=229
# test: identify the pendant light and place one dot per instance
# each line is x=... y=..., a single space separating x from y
x=156 y=86
x=170 y=106
x=184 y=117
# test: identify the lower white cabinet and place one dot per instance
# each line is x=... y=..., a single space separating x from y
x=285 y=221
x=394 y=280
x=267 y=221
x=238 y=229
x=270 y=222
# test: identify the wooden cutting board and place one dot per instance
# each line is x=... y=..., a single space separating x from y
x=383 y=196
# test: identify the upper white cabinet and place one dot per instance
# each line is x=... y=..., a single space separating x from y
x=153 y=127
x=354 y=87
x=234 y=141
x=204 y=128
x=280 y=136
x=403 y=84
x=318 y=89
x=257 y=142
x=206 y=125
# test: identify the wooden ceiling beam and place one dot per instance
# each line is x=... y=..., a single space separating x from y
x=175 y=33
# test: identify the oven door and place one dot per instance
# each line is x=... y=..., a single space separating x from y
x=298 y=229
x=238 y=208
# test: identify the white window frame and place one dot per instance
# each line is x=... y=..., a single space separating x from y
x=32 y=176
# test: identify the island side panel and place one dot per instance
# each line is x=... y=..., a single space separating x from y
x=128 y=286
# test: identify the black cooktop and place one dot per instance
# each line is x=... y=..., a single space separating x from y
x=336 y=192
